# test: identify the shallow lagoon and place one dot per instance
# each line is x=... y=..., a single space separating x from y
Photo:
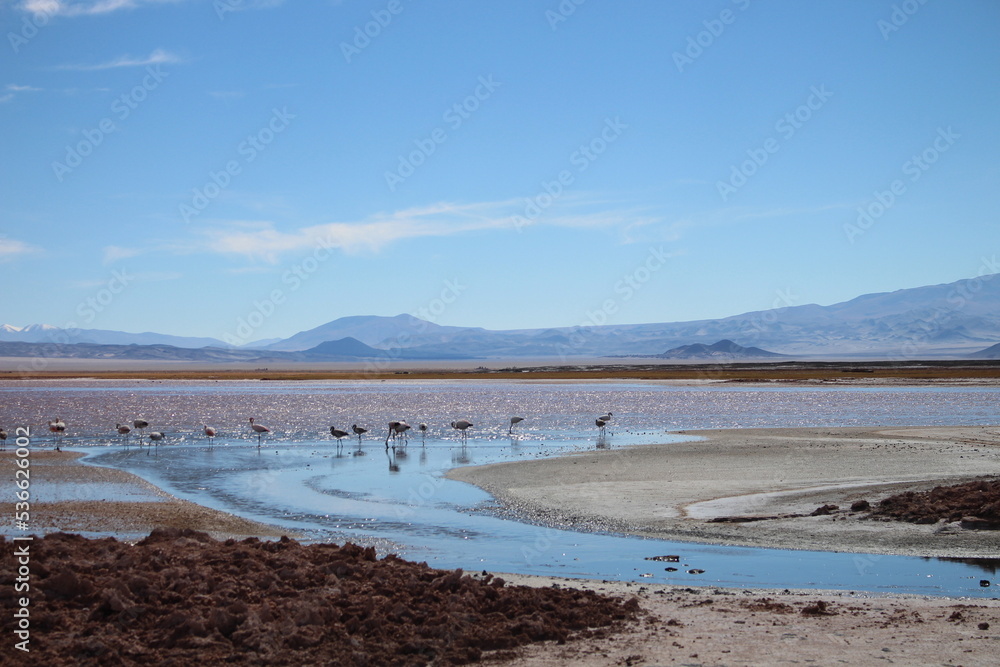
x=398 y=501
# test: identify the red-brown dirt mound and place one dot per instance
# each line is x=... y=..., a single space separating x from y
x=979 y=500
x=180 y=598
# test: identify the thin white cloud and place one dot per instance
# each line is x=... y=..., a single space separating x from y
x=82 y=7
x=72 y=8
x=156 y=57
x=261 y=240
x=14 y=89
x=114 y=253
x=11 y=248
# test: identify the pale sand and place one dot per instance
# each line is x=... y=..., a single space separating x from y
x=117 y=502
x=687 y=626
x=671 y=490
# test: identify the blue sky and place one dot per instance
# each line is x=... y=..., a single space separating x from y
x=180 y=165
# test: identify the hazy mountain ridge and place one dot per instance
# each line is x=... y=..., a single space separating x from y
x=46 y=333
x=954 y=319
x=346 y=349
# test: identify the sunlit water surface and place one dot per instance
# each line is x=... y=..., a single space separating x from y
x=399 y=501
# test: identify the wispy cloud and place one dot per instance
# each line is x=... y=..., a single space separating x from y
x=114 y=253
x=263 y=241
x=72 y=8
x=11 y=248
x=82 y=7
x=12 y=90
x=157 y=57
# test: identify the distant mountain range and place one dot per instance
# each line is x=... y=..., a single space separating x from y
x=345 y=349
x=960 y=319
x=46 y=333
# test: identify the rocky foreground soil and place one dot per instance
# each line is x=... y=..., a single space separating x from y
x=179 y=597
x=975 y=503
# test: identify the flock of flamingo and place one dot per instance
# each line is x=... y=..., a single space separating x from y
x=397 y=430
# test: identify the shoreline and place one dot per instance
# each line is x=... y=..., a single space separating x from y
x=670 y=491
x=70 y=496
x=673 y=491
x=860 y=372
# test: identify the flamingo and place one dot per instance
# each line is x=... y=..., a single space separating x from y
x=260 y=429
x=58 y=428
x=423 y=431
x=359 y=431
x=605 y=419
x=3 y=438
x=123 y=429
x=140 y=424
x=338 y=434
x=514 y=420
x=461 y=425
x=396 y=428
x=156 y=436
x=391 y=433
x=209 y=433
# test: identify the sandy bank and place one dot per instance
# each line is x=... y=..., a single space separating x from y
x=69 y=496
x=673 y=491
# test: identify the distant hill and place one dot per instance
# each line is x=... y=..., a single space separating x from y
x=344 y=348
x=386 y=332
x=992 y=352
x=723 y=350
